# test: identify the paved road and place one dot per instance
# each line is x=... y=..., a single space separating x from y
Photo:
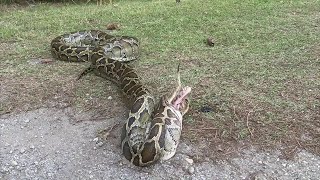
x=49 y=144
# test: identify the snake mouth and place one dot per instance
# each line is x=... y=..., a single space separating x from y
x=179 y=99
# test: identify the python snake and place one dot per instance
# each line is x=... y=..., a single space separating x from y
x=152 y=131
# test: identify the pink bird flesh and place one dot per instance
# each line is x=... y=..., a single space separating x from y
x=181 y=97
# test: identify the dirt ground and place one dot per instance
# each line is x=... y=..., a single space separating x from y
x=51 y=143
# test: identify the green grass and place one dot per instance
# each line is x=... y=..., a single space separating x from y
x=265 y=60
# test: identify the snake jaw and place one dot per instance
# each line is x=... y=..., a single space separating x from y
x=179 y=99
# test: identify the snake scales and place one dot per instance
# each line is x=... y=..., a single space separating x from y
x=152 y=131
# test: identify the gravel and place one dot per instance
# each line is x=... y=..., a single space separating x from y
x=48 y=143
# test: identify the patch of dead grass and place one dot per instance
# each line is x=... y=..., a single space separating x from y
x=23 y=93
x=239 y=118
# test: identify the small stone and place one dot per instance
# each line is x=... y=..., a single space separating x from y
x=36 y=163
x=32 y=147
x=110 y=97
x=189 y=160
x=191 y=170
x=13 y=162
x=27 y=120
x=22 y=150
x=304 y=162
x=210 y=41
x=219 y=148
x=95 y=139
x=113 y=26
x=100 y=144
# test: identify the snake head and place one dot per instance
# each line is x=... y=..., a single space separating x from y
x=177 y=103
x=179 y=99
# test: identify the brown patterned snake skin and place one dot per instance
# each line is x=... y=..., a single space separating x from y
x=151 y=132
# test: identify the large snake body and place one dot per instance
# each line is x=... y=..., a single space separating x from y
x=151 y=132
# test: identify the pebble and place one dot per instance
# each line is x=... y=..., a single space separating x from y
x=110 y=97
x=32 y=147
x=191 y=169
x=27 y=120
x=219 y=148
x=189 y=160
x=22 y=150
x=13 y=162
x=210 y=41
x=95 y=139
x=100 y=144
